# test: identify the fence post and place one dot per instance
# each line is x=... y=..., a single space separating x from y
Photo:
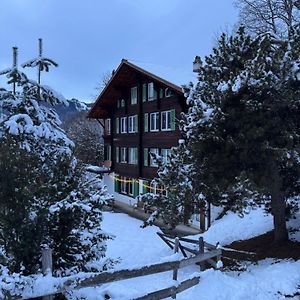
x=219 y=258
x=175 y=271
x=47 y=266
x=201 y=251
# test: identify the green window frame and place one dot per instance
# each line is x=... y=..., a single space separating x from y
x=117 y=154
x=144 y=92
x=161 y=93
x=135 y=188
x=146 y=121
x=117 y=125
x=116 y=184
x=146 y=157
x=145 y=186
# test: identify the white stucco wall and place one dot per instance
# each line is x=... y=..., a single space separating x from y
x=108 y=180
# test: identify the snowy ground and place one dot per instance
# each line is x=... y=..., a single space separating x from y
x=269 y=279
x=136 y=247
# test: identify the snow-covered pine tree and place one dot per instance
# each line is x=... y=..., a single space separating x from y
x=42 y=63
x=175 y=200
x=46 y=200
x=243 y=124
x=13 y=74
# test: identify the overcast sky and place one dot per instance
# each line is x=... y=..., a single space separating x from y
x=88 y=38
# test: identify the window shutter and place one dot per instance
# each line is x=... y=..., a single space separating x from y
x=173 y=122
x=135 y=188
x=146 y=155
x=118 y=104
x=136 y=129
x=117 y=185
x=145 y=189
x=161 y=93
x=154 y=94
x=117 y=125
x=144 y=95
x=136 y=160
x=146 y=122
x=117 y=155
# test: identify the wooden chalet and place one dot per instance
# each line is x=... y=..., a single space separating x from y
x=138 y=111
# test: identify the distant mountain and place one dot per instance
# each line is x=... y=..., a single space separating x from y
x=72 y=111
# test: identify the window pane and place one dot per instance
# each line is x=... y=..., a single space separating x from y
x=166 y=120
x=152 y=160
x=152 y=95
x=154 y=117
x=123 y=155
x=123 y=125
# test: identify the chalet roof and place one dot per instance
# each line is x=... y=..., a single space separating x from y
x=125 y=75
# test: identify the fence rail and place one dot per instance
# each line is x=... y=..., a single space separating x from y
x=198 y=257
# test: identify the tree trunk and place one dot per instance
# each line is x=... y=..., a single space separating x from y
x=278 y=211
x=208 y=214
x=202 y=219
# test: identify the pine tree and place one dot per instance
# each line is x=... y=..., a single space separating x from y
x=243 y=124
x=46 y=199
x=174 y=201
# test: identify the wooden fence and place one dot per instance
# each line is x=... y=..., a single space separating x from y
x=199 y=256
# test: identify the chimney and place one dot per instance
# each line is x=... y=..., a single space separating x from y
x=197 y=64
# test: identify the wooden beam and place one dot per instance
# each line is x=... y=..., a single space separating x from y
x=106 y=277
x=171 y=291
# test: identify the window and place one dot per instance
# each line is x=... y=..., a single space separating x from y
x=153 y=160
x=154 y=121
x=152 y=94
x=134 y=95
x=121 y=103
x=133 y=124
x=117 y=154
x=133 y=156
x=168 y=120
x=123 y=155
x=123 y=185
x=124 y=125
x=107 y=153
x=107 y=126
x=165 y=153
x=168 y=92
